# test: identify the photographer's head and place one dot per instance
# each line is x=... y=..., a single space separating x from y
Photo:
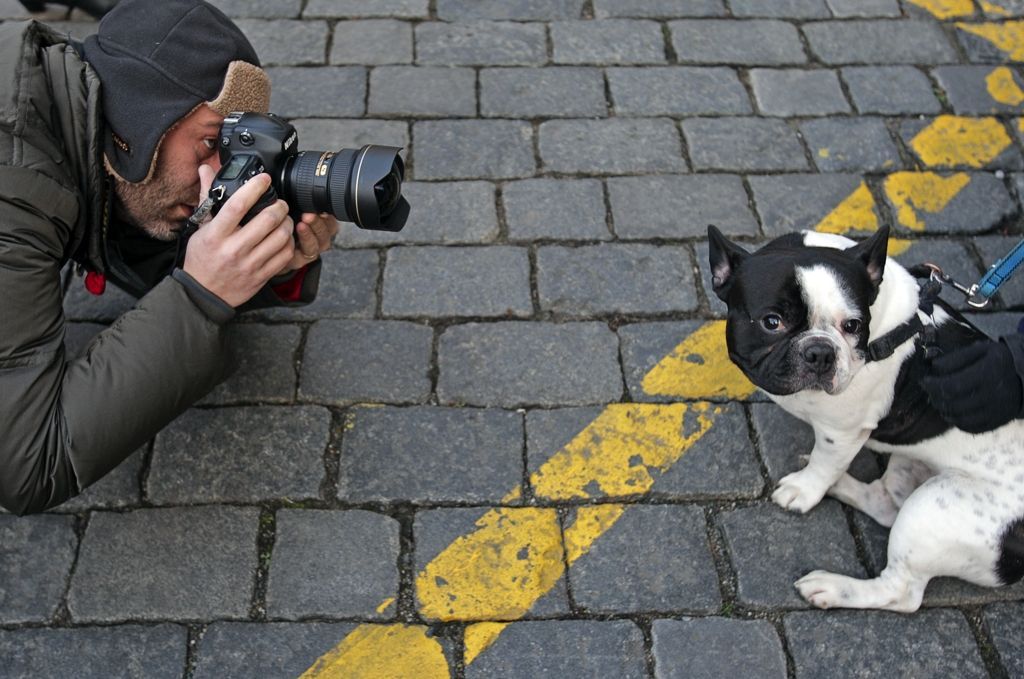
x=170 y=72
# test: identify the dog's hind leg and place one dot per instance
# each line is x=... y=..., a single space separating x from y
x=932 y=536
x=882 y=498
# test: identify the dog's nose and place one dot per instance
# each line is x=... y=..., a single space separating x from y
x=820 y=357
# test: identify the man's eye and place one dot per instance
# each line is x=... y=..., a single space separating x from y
x=771 y=322
x=210 y=143
x=851 y=326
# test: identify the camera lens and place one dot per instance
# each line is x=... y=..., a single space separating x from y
x=361 y=186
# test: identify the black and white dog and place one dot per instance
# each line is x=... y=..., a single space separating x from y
x=813 y=322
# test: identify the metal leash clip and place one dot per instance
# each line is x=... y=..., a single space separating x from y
x=973 y=298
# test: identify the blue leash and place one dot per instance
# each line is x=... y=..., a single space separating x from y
x=981 y=293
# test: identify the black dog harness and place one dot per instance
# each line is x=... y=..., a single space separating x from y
x=884 y=347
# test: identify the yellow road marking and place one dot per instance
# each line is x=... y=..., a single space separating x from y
x=946 y=9
x=379 y=651
x=992 y=8
x=1008 y=36
x=914 y=192
x=699 y=368
x=952 y=141
x=1003 y=87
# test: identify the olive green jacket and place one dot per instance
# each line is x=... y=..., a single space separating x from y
x=64 y=423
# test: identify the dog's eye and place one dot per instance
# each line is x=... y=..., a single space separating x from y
x=771 y=322
x=851 y=326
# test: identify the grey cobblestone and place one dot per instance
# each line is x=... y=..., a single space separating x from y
x=261 y=9
x=515 y=10
x=763 y=42
x=683 y=206
x=859 y=643
x=556 y=209
x=879 y=42
x=481 y=44
x=607 y=41
x=635 y=567
x=951 y=256
x=371 y=41
x=795 y=92
x=982 y=205
x=314 y=571
x=570 y=648
x=772 y=548
x=1001 y=9
x=422 y=91
x=890 y=89
x=677 y=91
x=513 y=364
x=331 y=9
x=141 y=652
x=330 y=134
x=471 y=149
x=782 y=9
x=659 y=9
x=799 y=201
x=366 y=361
x=265 y=371
x=615 y=279
x=967 y=89
x=613 y=146
x=446 y=213
x=457 y=282
x=851 y=145
x=1004 y=624
x=287 y=43
x=327 y=91
x=242 y=454
x=119 y=488
x=35 y=560
x=704 y=648
x=843 y=9
x=978 y=49
x=182 y=563
x=281 y=650
x=743 y=144
x=348 y=283
x=430 y=454
x=540 y=92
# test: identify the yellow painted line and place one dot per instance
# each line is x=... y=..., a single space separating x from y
x=699 y=368
x=946 y=9
x=1003 y=87
x=992 y=8
x=1008 y=36
x=912 y=193
x=379 y=651
x=954 y=141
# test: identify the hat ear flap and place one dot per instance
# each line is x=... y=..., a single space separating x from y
x=725 y=257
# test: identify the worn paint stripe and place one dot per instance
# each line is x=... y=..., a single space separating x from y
x=376 y=651
x=946 y=9
x=913 y=193
x=699 y=367
x=1003 y=87
x=1007 y=36
x=956 y=141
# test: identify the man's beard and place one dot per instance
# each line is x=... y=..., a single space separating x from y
x=153 y=206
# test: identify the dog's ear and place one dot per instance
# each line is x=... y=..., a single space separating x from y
x=871 y=253
x=724 y=257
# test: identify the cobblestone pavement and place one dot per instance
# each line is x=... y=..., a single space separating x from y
x=506 y=442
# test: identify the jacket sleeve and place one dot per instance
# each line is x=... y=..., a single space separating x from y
x=67 y=423
x=1015 y=343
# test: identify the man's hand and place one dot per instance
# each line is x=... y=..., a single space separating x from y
x=975 y=388
x=234 y=263
x=315 y=233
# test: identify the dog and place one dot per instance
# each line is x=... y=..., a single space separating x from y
x=832 y=331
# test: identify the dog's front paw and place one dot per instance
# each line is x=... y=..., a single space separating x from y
x=824 y=589
x=799 y=492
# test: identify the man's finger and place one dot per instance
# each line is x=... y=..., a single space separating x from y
x=309 y=243
x=238 y=205
x=206 y=176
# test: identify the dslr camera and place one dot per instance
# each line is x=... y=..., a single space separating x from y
x=361 y=186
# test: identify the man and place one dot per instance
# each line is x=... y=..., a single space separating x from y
x=106 y=147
